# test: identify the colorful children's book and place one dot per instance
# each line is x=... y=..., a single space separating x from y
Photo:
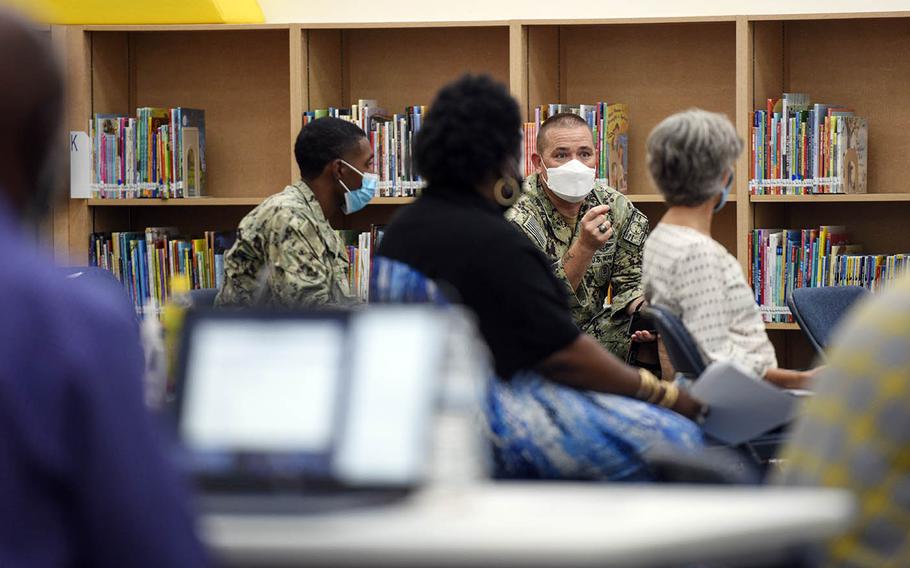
x=191 y=175
x=617 y=143
x=193 y=121
x=854 y=163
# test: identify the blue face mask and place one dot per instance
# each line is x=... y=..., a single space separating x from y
x=358 y=198
x=724 y=196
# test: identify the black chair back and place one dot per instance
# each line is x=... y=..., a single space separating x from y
x=681 y=347
x=688 y=361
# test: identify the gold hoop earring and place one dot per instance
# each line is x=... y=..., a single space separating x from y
x=506 y=191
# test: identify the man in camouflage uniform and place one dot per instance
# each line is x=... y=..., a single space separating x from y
x=594 y=243
x=286 y=253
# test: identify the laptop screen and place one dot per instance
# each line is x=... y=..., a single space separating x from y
x=345 y=398
x=263 y=385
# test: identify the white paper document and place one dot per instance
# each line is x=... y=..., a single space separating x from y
x=741 y=407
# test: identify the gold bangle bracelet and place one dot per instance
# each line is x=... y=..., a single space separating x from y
x=645 y=387
x=671 y=395
x=649 y=390
x=657 y=395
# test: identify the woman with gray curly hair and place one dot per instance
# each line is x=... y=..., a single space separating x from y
x=690 y=158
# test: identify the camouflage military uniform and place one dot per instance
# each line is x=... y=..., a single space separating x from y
x=286 y=255
x=618 y=262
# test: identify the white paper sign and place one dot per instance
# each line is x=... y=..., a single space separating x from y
x=80 y=165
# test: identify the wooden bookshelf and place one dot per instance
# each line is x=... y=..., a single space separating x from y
x=255 y=81
x=848 y=59
x=181 y=27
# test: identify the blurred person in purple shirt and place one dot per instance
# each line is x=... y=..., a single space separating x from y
x=83 y=476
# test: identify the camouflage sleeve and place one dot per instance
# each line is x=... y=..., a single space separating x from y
x=297 y=274
x=529 y=224
x=240 y=278
x=578 y=297
x=626 y=277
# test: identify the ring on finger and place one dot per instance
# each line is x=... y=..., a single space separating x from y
x=602 y=228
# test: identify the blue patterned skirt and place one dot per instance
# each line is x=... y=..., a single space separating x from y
x=544 y=430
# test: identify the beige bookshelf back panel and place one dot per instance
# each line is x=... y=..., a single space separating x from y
x=657 y=69
x=399 y=67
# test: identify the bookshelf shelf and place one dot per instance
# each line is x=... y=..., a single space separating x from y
x=392 y=200
x=621 y=21
x=228 y=201
x=645 y=197
x=216 y=202
x=657 y=198
x=782 y=326
x=825 y=198
x=194 y=202
x=183 y=27
x=320 y=25
x=828 y=16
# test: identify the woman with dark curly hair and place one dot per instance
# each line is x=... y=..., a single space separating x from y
x=562 y=407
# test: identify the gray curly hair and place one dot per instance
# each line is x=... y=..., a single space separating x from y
x=689 y=154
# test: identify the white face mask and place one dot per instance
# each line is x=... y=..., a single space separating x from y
x=572 y=181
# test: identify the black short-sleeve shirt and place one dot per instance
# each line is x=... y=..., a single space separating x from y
x=462 y=241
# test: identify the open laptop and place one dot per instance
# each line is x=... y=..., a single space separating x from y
x=308 y=411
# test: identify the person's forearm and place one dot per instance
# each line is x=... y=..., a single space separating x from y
x=786 y=378
x=634 y=305
x=576 y=262
x=586 y=365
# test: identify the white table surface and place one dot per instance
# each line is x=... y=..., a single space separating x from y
x=543 y=524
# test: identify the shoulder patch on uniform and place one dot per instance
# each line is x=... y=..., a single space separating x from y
x=636 y=230
x=533 y=229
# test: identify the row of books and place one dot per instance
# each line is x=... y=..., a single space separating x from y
x=610 y=125
x=392 y=137
x=783 y=260
x=158 y=154
x=146 y=262
x=799 y=148
x=361 y=247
